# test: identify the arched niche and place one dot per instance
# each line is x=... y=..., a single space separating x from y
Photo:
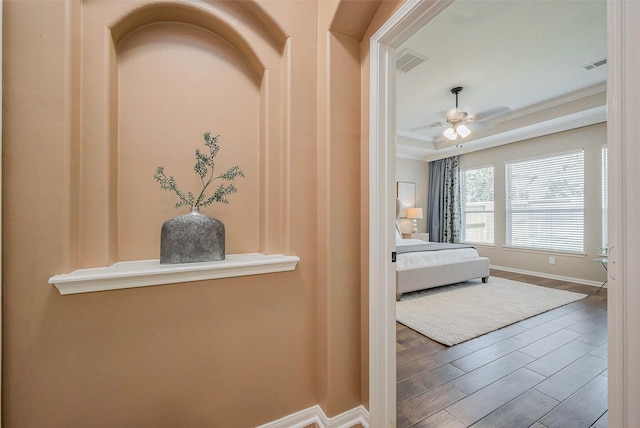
x=191 y=15
x=155 y=78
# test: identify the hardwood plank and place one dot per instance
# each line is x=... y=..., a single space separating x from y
x=596 y=337
x=442 y=419
x=488 y=354
x=594 y=322
x=425 y=405
x=550 y=343
x=486 y=375
x=543 y=317
x=522 y=411
x=421 y=383
x=552 y=326
x=409 y=338
x=423 y=341
x=430 y=362
x=582 y=409
x=432 y=387
x=543 y=330
x=573 y=377
x=560 y=358
x=479 y=404
x=407 y=335
x=603 y=422
x=601 y=352
x=493 y=337
x=413 y=353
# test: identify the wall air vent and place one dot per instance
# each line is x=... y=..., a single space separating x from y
x=408 y=59
x=595 y=64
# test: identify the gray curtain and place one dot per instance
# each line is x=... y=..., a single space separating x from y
x=435 y=200
x=443 y=210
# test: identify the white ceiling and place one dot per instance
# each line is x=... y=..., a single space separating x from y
x=526 y=55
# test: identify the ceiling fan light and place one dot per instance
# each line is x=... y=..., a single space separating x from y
x=450 y=133
x=463 y=131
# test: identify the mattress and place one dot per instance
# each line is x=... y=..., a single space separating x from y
x=431 y=258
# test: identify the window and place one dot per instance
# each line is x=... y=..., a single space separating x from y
x=476 y=187
x=605 y=197
x=545 y=203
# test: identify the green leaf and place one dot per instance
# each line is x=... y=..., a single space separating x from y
x=204 y=165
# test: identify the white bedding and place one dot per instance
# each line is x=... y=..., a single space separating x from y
x=431 y=258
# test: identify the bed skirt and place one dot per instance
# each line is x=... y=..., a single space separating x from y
x=435 y=276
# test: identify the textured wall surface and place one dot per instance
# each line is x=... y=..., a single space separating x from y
x=96 y=95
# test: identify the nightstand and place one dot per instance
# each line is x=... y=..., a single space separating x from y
x=603 y=260
x=423 y=236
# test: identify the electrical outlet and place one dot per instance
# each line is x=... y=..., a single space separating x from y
x=552 y=260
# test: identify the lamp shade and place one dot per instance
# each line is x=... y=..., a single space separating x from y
x=463 y=131
x=450 y=133
x=414 y=212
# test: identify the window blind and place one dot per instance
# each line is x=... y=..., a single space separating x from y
x=477 y=188
x=545 y=202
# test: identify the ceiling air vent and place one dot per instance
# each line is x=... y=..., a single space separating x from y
x=595 y=64
x=408 y=59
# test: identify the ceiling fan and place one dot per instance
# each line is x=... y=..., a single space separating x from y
x=457 y=121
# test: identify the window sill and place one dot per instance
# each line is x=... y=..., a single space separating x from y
x=144 y=273
x=479 y=244
x=539 y=251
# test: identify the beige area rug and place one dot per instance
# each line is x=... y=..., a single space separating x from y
x=455 y=313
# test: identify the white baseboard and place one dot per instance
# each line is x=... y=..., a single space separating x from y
x=550 y=276
x=315 y=415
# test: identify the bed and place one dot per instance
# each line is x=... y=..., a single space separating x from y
x=432 y=264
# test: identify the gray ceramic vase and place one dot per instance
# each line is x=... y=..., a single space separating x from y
x=192 y=237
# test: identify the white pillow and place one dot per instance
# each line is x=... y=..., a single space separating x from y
x=398 y=233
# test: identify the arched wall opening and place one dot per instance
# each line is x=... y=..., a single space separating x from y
x=154 y=79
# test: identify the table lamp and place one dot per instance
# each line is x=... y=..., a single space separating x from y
x=414 y=214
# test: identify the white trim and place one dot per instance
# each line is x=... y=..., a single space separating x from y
x=623 y=63
x=549 y=276
x=596 y=89
x=382 y=147
x=576 y=120
x=144 y=273
x=315 y=415
x=1 y=219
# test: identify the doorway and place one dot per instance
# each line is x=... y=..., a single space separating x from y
x=410 y=17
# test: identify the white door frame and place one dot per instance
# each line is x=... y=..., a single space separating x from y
x=1 y=276
x=623 y=128
x=623 y=19
x=411 y=16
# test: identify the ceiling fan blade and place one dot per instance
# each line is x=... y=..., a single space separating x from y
x=478 y=126
x=423 y=127
x=490 y=114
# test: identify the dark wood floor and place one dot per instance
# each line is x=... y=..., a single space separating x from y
x=547 y=371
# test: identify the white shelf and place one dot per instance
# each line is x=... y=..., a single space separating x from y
x=145 y=273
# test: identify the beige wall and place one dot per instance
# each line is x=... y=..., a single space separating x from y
x=86 y=124
x=591 y=139
x=414 y=171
